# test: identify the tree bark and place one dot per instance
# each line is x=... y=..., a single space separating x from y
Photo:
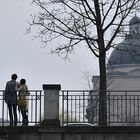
x=102 y=92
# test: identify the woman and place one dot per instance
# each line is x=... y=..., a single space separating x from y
x=22 y=101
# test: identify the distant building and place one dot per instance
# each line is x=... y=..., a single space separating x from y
x=123 y=66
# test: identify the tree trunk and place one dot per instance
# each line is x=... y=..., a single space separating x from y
x=102 y=66
x=102 y=92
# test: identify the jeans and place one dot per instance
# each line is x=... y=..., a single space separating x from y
x=12 y=114
x=24 y=117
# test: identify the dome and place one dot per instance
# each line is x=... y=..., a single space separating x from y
x=134 y=20
x=127 y=52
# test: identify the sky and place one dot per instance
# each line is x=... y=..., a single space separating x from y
x=25 y=56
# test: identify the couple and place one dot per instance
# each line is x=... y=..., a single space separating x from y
x=11 y=99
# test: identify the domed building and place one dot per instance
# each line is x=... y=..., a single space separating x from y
x=123 y=66
x=127 y=53
x=123 y=74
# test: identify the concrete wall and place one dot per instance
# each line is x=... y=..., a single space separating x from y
x=69 y=133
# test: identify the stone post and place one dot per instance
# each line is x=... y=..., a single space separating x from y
x=51 y=105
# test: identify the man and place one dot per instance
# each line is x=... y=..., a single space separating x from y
x=11 y=99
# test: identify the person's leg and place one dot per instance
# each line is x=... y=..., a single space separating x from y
x=26 y=116
x=23 y=117
x=15 y=114
x=10 y=114
x=22 y=113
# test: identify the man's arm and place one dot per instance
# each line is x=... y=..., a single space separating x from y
x=6 y=92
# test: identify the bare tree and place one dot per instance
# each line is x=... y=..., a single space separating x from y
x=94 y=24
x=87 y=77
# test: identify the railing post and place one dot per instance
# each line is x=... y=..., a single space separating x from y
x=51 y=105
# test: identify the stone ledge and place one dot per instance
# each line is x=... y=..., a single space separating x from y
x=50 y=122
x=51 y=87
x=103 y=129
x=70 y=130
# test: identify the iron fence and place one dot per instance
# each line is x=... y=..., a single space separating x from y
x=35 y=109
x=123 y=107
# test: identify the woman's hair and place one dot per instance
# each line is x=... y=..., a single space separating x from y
x=22 y=81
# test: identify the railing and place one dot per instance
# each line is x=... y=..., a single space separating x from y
x=35 y=109
x=78 y=106
x=123 y=107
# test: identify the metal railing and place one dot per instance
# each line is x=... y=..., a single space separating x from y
x=35 y=109
x=78 y=106
x=123 y=107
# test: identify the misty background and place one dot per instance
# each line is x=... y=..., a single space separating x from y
x=25 y=56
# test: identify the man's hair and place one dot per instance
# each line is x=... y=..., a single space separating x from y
x=14 y=77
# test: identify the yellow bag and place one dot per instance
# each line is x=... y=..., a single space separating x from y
x=21 y=102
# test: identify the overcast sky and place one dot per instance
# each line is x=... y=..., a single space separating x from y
x=22 y=55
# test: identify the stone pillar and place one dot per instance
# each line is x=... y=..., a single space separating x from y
x=51 y=105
